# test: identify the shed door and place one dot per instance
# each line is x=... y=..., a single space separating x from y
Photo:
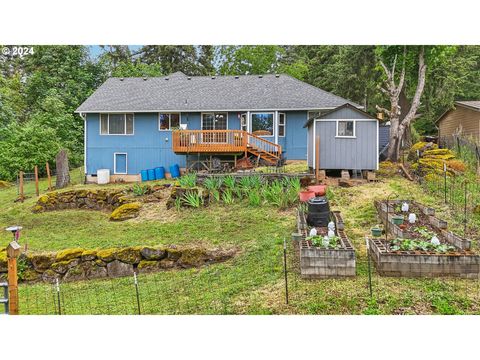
x=120 y=163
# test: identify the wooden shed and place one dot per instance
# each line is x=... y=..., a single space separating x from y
x=345 y=138
x=463 y=119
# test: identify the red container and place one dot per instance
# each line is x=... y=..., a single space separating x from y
x=319 y=190
x=306 y=195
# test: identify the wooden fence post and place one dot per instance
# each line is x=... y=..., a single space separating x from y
x=49 y=177
x=20 y=175
x=13 y=250
x=317 y=158
x=37 y=191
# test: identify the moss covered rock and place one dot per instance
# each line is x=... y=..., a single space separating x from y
x=3 y=261
x=148 y=265
x=69 y=254
x=62 y=267
x=150 y=253
x=130 y=255
x=89 y=255
x=4 y=184
x=174 y=254
x=49 y=276
x=42 y=262
x=125 y=212
x=107 y=255
x=29 y=275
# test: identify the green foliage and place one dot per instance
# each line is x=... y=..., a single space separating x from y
x=229 y=182
x=227 y=197
x=139 y=190
x=213 y=183
x=188 y=180
x=192 y=198
x=254 y=198
x=414 y=244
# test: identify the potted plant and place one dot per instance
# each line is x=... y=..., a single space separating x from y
x=397 y=219
x=376 y=231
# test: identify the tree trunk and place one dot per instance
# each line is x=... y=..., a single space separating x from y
x=63 y=174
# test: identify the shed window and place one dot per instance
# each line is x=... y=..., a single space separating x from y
x=262 y=124
x=116 y=124
x=281 y=124
x=168 y=121
x=346 y=128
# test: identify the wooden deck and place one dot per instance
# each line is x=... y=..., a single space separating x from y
x=224 y=142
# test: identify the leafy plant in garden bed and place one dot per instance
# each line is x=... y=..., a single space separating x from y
x=188 y=180
x=324 y=241
x=193 y=199
x=139 y=190
x=400 y=244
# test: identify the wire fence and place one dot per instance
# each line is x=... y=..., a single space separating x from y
x=268 y=288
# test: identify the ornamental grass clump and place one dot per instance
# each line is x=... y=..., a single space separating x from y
x=193 y=199
x=188 y=180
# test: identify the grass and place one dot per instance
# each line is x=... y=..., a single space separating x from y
x=252 y=282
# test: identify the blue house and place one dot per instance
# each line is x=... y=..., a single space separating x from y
x=133 y=124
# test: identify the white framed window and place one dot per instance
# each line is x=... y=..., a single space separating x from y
x=168 y=121
x=262 y=124
x=345 y=128
x=243 y=122
x=120 y=163
x=116 y=124
x=282 y=124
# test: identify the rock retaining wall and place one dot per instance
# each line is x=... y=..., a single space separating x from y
x=81 y=264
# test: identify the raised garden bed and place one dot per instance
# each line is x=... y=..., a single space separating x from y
x=425 y=248
x=319 y=260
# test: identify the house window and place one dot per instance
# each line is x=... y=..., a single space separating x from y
x=281 y=124
x=214 y=121
x=262 y=124
x=346 y=128
x=116 y=124
x=243 y=122
x=120 y=163
x=168 y=121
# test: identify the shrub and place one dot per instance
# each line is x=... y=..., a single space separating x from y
x=457 y=165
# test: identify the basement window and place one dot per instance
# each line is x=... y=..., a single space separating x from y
x=116 y=124
x=346 y=128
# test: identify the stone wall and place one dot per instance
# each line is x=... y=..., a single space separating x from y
x=81 y=264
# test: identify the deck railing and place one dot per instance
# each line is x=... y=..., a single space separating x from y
x=222 y=141
x=215 y=141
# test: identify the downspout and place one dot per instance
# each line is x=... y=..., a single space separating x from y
x=84 y=117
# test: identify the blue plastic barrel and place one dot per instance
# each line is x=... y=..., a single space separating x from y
x=151 y=174
x=175 y=171
x=159 y=173
x=144 y=175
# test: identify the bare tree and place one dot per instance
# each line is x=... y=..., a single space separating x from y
x=400 y=119
x=63 y=174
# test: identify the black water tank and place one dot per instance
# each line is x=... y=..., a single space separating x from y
x=318 y=211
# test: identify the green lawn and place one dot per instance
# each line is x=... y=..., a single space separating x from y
x=252 y=282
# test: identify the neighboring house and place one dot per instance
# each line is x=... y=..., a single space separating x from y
x=133 y=124
x=345 y=138
x=463 y=119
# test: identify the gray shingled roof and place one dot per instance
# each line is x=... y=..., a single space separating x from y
x=182 y=93
x=472 y=104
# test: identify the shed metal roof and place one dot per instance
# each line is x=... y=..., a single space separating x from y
x=178 y=92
